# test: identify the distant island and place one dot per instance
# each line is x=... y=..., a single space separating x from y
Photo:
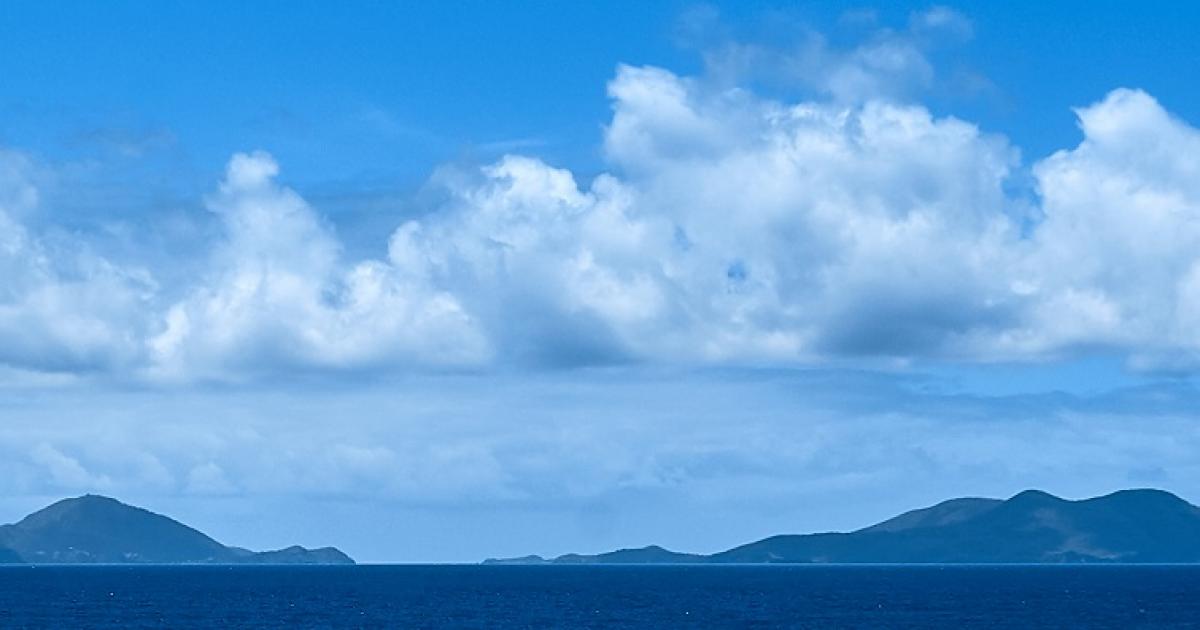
x=98 y=530
x=1130 y=526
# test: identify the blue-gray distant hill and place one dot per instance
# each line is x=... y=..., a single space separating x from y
x=1131 y=526
x=94 y=529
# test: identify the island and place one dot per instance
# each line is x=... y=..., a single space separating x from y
x=93 y=529
x=1129 y=526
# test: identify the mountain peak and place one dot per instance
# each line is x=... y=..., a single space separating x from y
x=944 y=513
x=87 y=500
x=1033 y=495
x=1142 y=494
x=81 y=510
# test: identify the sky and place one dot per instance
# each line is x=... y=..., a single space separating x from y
x=433 y=282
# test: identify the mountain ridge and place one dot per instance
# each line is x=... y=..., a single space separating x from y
x=93 y=529
x=1140 y=525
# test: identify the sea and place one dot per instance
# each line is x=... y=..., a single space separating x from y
x=679 y=596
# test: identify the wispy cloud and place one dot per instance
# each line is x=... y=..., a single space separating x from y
x=878 y=62
x=125 y=142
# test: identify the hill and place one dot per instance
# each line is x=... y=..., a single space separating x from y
x=95 y=529
x=1132 y=526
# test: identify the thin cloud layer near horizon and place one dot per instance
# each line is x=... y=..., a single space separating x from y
x=804 y=277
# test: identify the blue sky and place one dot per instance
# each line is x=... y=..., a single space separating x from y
x=439 y=281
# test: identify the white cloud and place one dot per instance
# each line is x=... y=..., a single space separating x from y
x=278 y=294
x=62 y=308
x=556 y=273
x=1117 y=256
x=729 y=228
x=941 y=21
x=886 y=63
x=739 y=228
x=743 y=229
x=65 y=471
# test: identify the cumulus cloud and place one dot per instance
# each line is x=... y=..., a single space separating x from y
x=808 y=217
x=62 y=307
x=558 y=274
x=1117 y=261
x=739 y=228
x=278 y=293
x=729 y=228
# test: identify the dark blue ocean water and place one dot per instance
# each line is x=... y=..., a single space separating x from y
x=612 y=596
